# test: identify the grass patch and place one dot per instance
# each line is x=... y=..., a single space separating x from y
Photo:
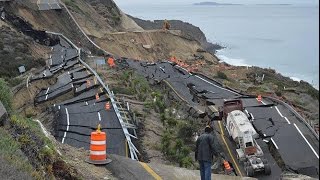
x=10 y=153
x=73 y=5
x=221 y=75
x=5 y=95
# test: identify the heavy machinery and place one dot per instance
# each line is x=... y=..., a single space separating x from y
x=242 y=132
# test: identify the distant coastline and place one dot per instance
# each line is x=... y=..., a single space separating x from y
x=211 y=3
x=274 y=4
x=207 y=3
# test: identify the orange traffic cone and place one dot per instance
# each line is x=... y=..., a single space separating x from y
x=111 y=62
x=97 y=97
x=98 y=148
x=108 y=106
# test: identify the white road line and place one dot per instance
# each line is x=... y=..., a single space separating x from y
x=252 y=116
x=274 y=143
x=224 y=99
x=264 y=135
x=216 y=85
x=68 y=123
x=315 y=153
x=263 y=103
x=282 y=115
x=46 y=97
x=99 y=115
x=287 y=120
x=265 y=141
x=47 y=90
x=279 y=111
x=247 y=112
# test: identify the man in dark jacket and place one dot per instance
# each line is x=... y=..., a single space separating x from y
x=203 y=153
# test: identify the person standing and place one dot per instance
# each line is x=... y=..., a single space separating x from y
x=204 y=151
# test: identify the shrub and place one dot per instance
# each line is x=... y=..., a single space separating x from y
x=221 y=75
x=5 y=95
x=186 y=131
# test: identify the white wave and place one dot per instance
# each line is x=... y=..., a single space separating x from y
x=233 y=61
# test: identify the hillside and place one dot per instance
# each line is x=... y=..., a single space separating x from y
x=188 y=30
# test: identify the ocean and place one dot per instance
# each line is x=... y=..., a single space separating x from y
x=281 y=37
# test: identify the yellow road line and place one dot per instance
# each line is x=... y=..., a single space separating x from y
x=150 y=171
x=215 y=108
x=95 y=80
x=126 y=145
x=175 y=91
x=234 y=162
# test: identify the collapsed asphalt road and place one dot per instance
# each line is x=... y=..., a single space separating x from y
x=76 y=116
x=280 y=130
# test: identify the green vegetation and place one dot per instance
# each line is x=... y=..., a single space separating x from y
x=221 y=75
x=176 y=141
x=176 y=150
x=22 y=137
x=73 y=5
x=12 y=160
x=38 y=148
x=177 y=133
x=280 y=81
x=5 y=95
x=133 y=84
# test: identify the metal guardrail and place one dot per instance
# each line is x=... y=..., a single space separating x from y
x=132 y=148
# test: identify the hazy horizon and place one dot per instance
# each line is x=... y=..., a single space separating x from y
x=297 y=2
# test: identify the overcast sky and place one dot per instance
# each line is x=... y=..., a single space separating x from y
x=126 y=2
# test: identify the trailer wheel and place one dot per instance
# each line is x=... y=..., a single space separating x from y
x=250 y=171
x=267 y=169
x=265 y=161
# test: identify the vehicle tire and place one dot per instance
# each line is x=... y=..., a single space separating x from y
x=250 y=171
x=267 y=169
x=265 y=161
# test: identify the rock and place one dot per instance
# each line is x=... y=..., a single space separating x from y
x=18 y=58
x=146 y=46
x=3 y=114
x=201 y=50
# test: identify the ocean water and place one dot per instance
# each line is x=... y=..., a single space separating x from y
x=281 y=37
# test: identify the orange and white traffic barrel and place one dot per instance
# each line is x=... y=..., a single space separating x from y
x=98 y=148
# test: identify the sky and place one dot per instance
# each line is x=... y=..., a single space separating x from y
x=126 y=2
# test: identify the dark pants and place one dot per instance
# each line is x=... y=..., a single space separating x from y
x=205 y=170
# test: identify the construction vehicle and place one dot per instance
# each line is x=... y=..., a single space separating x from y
x=241 y=131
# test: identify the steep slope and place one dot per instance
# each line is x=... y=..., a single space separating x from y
x=188 y=30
